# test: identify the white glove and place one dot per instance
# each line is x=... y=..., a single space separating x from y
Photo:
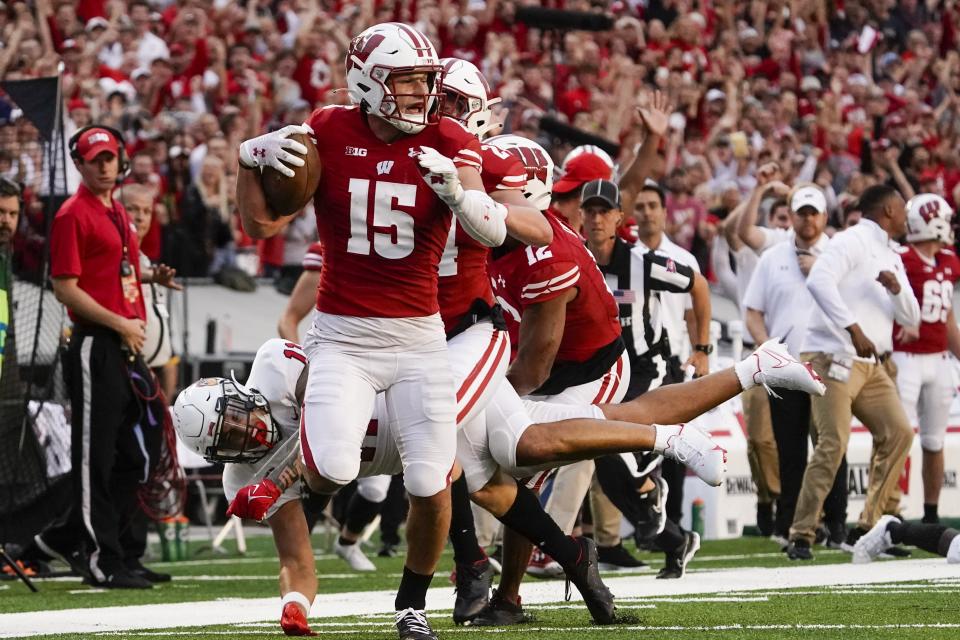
x=441 y=175
x=273 y=150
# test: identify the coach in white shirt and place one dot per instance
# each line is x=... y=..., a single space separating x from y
x=778 y=304
x=860 y=287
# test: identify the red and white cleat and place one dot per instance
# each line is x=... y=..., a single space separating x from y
x=294 y=621
x=696 y=450
x=772 y=366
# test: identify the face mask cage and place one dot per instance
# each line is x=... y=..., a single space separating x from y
x=242 y=433
x=431 y=101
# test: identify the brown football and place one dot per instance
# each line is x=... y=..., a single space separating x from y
x=287 y=196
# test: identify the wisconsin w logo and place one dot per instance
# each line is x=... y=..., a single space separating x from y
x=384 y=167
x=360 y=50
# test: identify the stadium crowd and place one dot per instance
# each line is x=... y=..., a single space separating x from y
x=774 y=108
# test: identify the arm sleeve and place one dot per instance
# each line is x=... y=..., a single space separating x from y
x=906 y=309
x=836 y=261
x=66 y=239
x=666 y=274
x=548 y=282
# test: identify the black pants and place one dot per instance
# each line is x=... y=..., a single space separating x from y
x=644 y=372
x=114 y=448
x=790 y=417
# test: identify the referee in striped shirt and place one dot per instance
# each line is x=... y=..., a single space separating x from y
x=637 y=278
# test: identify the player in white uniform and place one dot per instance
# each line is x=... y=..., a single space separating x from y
x=241 y=424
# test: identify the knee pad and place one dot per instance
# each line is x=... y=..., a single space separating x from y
x=423 y=479
x=338 y=463
x=374 y=488
x=932 y=442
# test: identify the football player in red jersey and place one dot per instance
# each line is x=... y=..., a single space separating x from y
x=923 y=358
x=568 y=347
x=391 y=171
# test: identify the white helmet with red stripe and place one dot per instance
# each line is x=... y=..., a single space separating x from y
x=382 y=51
x=467 y=96
x=538 y=163
x=588 y=148
x=928 y=218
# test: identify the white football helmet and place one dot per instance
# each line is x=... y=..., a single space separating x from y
x=928 y=218
x=538 y=163
x=467 y=96
x=224 y=421
x=381 y=51
x=589 y=148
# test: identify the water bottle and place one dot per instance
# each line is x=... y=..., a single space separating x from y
x=697 y=523
x=167 y=530
x=182 y=531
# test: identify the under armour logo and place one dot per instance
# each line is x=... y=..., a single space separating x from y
x=259 y=151
x=384 y=167
x=413 y=152
x=500 y=281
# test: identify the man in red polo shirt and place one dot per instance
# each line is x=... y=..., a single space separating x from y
x=95 y=266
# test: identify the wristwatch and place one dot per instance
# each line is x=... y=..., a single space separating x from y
x=703 y=348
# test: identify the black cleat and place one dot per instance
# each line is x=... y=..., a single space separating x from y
x=474 y=581
x=137 y=568
x=853 y=535
x=387 y=550
x=799 y=550
x=121 y=579
x=616 y=558
x=74 y=558
x=676 y=564
x=500 y=612
x=653 y=507
x=413 y=625
x=896 y=552
x=585 y=576
x=836 y=536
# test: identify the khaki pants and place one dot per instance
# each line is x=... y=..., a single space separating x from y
x=871 y=395
x=606 y=517
x=761 y=445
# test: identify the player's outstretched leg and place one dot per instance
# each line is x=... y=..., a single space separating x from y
x=890 y=530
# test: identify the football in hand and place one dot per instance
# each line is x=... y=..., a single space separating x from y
x=287 y=196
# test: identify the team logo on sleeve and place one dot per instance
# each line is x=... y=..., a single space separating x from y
x=671 y=266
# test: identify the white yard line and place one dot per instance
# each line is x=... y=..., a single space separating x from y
x=231 y=611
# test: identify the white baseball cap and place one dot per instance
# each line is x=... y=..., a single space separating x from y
x=808 y=196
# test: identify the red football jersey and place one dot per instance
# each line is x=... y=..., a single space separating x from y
x=933 y=286
x=463 y=267
x=530 y=275
x=383 y=229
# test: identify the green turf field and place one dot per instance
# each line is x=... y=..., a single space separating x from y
x=914 y=608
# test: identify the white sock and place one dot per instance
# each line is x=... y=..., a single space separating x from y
x=745 y=370
x=298 y=598
x=664 y=432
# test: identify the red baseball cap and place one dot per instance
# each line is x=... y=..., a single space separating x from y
x=580 y=170
x=95 y=141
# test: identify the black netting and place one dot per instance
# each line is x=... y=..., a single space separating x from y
x=34 y=409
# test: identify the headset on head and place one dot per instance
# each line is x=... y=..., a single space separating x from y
x=124 y=162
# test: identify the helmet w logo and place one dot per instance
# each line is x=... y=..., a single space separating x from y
x=929 y=210
x=360 y=50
